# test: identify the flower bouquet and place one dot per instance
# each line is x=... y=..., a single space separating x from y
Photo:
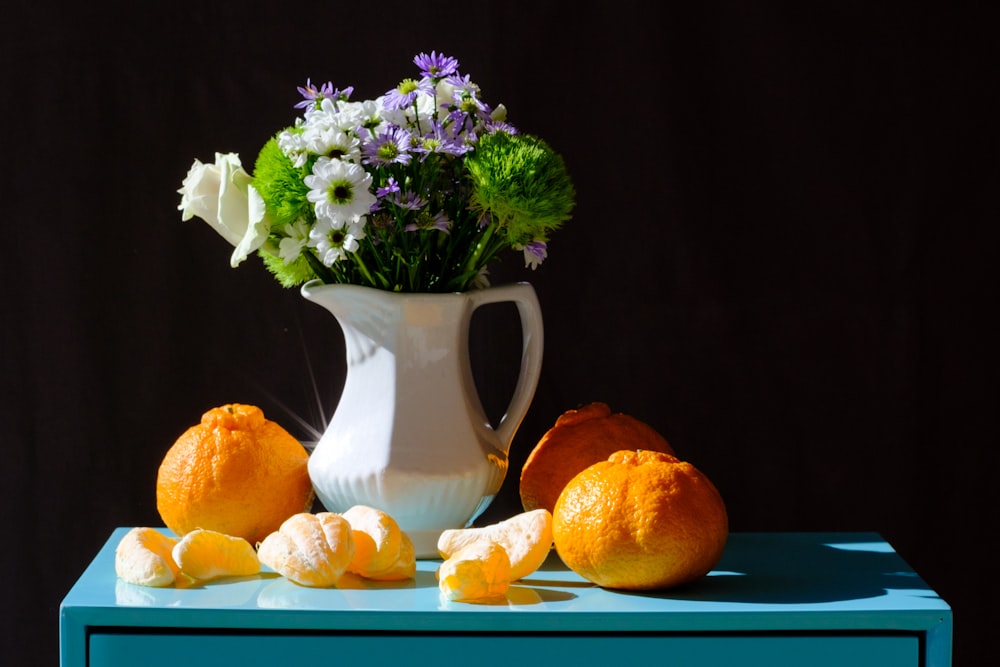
x=418 y=190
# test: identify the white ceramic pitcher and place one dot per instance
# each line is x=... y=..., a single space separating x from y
x=409 y=435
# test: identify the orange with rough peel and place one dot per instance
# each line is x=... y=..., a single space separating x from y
x=143 y=557
x=578 y=439
x=640 y=521
x=479 y=571
x=526 y=537
x=207 y=554
x=310 y=549
x=236 y=473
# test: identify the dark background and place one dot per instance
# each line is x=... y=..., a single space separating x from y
x=783 y=257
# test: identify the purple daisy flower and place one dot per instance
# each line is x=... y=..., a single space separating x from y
x=403 y=95
x=310 y=92
x=460 y=121
x=535 y=253
x=388 y=191
x=500 y=126
x=465 y=97
x=312 y=95
x=463 y=88
x=410 y=201
x=441 y=139
x=390 y=146
x=436 y=66
x=391 y=187
x=439 y=221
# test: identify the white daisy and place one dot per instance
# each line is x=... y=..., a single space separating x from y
x=297 y=236
x=332 y=244
x=293 y=145
x=360 y=114
x=340 y=191
x=332 y=141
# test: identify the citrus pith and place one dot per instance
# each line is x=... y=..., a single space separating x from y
x=310 y=549
x=526 y=537
x=143 y=557
x=477 y=572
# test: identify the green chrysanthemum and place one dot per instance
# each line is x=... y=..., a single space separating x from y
x=522 y=183
x=289 y=275
x=281 y=185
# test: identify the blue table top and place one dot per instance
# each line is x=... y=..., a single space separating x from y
x=765 y=581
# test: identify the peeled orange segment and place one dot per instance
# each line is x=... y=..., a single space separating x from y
x=380 y=550
x=526 y=537
x=477 y=572
x=310 y=549
x=405 y=566
x=143 y=557
x=208 y=554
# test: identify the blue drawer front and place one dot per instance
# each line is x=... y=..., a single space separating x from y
x=502 y=650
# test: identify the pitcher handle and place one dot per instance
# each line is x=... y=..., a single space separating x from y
x=532 y=339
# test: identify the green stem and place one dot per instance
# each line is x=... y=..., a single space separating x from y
x=360 y=263
x=322 y=271
x=473 y=261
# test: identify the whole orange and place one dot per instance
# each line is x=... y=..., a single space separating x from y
x=578 y=439
x=640 y=521
x=236 y=473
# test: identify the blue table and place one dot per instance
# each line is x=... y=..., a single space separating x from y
x=775 y=599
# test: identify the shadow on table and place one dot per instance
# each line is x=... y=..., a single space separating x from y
x=763 y=568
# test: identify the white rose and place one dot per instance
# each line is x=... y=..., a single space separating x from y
x=446 y=97
x=221 y=195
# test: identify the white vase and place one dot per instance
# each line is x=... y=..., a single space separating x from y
x=409 y=435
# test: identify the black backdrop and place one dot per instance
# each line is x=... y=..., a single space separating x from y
x=783 y=256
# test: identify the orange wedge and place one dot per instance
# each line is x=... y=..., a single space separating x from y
x=526 y=537
x=208 y=554
x=377 y=548
x=143 y=557
x=479 y=571
x=405 y=566
x=310 y=549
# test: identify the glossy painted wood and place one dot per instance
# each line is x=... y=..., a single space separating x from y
x=774 y=599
